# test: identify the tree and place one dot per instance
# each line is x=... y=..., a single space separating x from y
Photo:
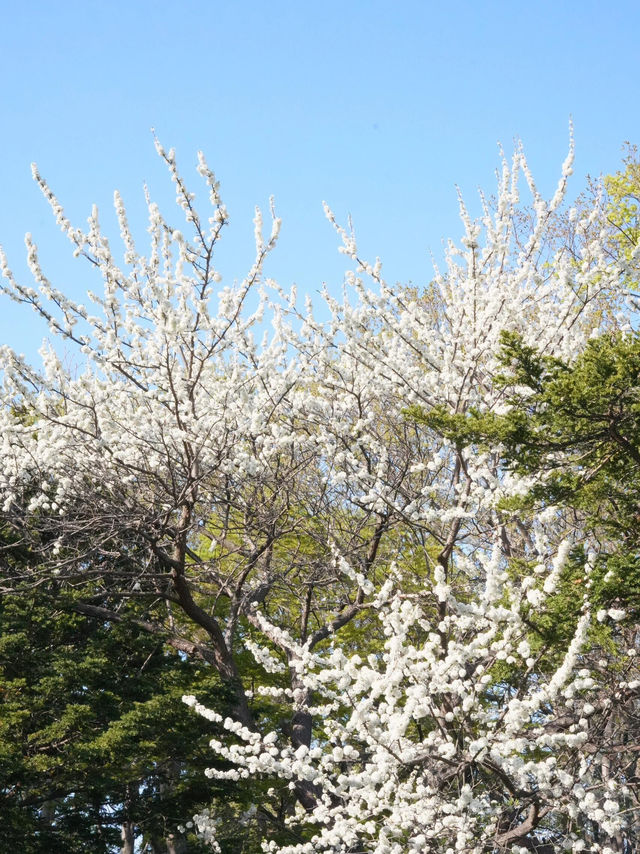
x=277 y=499
x=93 y=747
x=572 y=423
x=622 y=199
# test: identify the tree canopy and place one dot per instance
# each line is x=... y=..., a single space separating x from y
x=388 y=556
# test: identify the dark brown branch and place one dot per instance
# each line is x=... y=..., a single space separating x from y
x=179 y=643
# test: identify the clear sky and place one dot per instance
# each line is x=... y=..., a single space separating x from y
x=380 y=108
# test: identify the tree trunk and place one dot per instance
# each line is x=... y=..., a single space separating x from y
x=301 y=731
x=128 y=838
x=176 y=844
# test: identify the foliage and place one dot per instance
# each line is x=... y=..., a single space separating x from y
x=575 y=426
x=92 y=733
x=623 y=198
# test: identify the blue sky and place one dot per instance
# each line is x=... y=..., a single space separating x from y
x=379 y=108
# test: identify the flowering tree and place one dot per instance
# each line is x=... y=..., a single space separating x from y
x=279 y=498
